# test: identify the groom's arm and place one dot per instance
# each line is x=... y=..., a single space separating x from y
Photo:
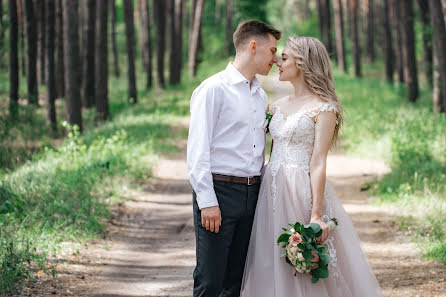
x=204 y=114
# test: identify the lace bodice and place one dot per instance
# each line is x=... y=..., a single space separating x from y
x=294 y=137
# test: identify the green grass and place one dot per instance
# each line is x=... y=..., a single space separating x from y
x=381 y=124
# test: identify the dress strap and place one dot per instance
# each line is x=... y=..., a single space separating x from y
x=323 y=106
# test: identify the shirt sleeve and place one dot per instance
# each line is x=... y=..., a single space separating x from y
x=204 y=114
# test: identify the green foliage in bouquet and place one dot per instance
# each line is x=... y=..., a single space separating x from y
x=309 y=234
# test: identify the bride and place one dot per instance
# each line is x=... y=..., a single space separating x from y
x=304 y=126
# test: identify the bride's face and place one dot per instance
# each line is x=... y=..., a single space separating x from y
x=287 y=66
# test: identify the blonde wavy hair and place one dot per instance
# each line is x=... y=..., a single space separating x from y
x=313 y=61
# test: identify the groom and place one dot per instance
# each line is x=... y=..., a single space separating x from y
x=225 y=155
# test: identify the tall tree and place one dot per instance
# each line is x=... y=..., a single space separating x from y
x=179 y=37
x=50 y=65
x=40 y=9
x=88 y=53
x=325 y=23
x=13 y=59
x=370 y=16
x=427 y=39
x=398 y=39
x=388 y=50
x=31 y=53
x=339 y=29
x=22 y=41
x=173 y=51
x=130 y=42
x=159 y=11
x=194 y=45
x=72 y=62
x=354 y=36
x=228 y=29
x=439 y=37
x=113 y=37
x=408 y=49
x=101 y=56
x=146 y=40
x=60 y=64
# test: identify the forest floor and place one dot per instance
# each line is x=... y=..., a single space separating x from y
x=149 y=247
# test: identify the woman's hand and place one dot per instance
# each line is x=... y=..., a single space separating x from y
x=325 y=229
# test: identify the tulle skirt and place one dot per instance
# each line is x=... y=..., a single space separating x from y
x=286 y=198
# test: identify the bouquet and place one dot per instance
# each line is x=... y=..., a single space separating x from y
x=302 y=250
x=269 y=116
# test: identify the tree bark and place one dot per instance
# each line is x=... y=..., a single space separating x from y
x=325 y=24
x=72 y=62
x=179 y=39
x=159 y=10
x=113 y=38
x=22 y=41
x=50 y=65
x=146 y=42
x=427 y=40
x=60 y=65
x=39 y=8
x=339 y=28
x=101 y=69
x=228 y=29
x=398 y=39
x=439 y=38
x=130 y=42
x=31 y=53
x=194 y=45
x=353 y=24
x=173 y=51
x=370 y=12
x=408 y=49
x=13 y=59
x=88 y=54
x=388 y=50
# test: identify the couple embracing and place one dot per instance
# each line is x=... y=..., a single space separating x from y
x=240 y=205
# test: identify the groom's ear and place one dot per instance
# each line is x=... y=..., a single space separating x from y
x=252 y=47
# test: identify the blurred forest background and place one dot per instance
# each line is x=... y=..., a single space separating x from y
x=89 y=88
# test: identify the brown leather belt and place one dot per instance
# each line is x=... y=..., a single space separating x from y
x=237 y=180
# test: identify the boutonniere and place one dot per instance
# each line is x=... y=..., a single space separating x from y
x=269 y=116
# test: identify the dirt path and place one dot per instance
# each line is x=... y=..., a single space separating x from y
x=149 y=248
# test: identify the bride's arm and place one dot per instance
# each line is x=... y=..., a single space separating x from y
x=324 y=129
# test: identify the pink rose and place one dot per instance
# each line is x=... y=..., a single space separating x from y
x=300 y=257
x=295 y=239
x=314 y=257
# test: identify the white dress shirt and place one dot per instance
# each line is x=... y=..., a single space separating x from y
x=226 y=133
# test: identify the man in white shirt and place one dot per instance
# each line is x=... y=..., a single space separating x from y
x=225 y=156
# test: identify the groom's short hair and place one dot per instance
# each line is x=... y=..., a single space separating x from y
x=246 y=30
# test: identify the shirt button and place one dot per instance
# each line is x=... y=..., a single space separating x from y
x=254 y=145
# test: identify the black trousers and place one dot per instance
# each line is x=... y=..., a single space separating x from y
x=221 y=256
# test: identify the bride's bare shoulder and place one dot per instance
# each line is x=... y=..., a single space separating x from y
x=277 y=103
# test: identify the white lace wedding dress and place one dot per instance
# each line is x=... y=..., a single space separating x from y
x=285 y=197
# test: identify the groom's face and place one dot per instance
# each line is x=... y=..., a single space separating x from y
x=265 y=55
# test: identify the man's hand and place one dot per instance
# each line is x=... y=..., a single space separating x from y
x=211 y=218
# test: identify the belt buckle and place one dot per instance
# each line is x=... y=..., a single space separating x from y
x=249 y=181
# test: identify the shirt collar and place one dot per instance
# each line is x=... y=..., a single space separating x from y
x=236 y=77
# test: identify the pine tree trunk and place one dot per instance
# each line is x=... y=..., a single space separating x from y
x=194 y=45
x=439 y=38
x=173 y=44
x=353 y=24
x=13 y=59
x=101 y=69
x=339 y=29
x=228 y=29
x=88 y=54
x=370 y=12
x=72 y=62
x=408 y=49
x=388 y=50
x=60 y=65
x=179 y=39
x=325 y=24
x=22 y=41
x=113 y=37
x=398 y=39
x=31 y=53
x=50 y=65
x=40 y=5
x=146 y=42
x=159 y=10
x=130 y=42
x=427 y=39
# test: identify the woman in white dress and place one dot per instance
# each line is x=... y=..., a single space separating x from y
x=303 y=128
